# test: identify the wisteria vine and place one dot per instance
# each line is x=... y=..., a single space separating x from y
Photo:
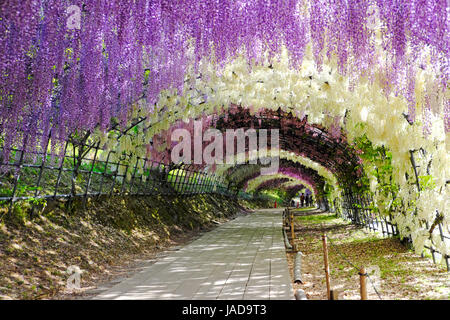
x=56 y=80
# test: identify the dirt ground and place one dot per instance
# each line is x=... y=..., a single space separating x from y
x=396 y=271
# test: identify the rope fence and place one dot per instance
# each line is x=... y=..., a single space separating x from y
x=346 y=260
x=288 y=223
x=361 y=216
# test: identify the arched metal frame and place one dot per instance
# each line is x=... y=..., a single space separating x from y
x=300 y=137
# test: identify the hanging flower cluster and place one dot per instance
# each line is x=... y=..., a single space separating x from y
x=294 y=158
x=271 y=184
x=297 y=174
x=256 y=182
x=68 y=66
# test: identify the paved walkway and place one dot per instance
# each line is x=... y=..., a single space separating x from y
x=241 y=259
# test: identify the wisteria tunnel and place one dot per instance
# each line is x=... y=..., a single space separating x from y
x=149 y=117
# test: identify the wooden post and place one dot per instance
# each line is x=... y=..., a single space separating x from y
x=325 y=260
x=334 y=295
x=362 y=281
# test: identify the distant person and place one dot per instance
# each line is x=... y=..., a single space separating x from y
x=302 y=199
